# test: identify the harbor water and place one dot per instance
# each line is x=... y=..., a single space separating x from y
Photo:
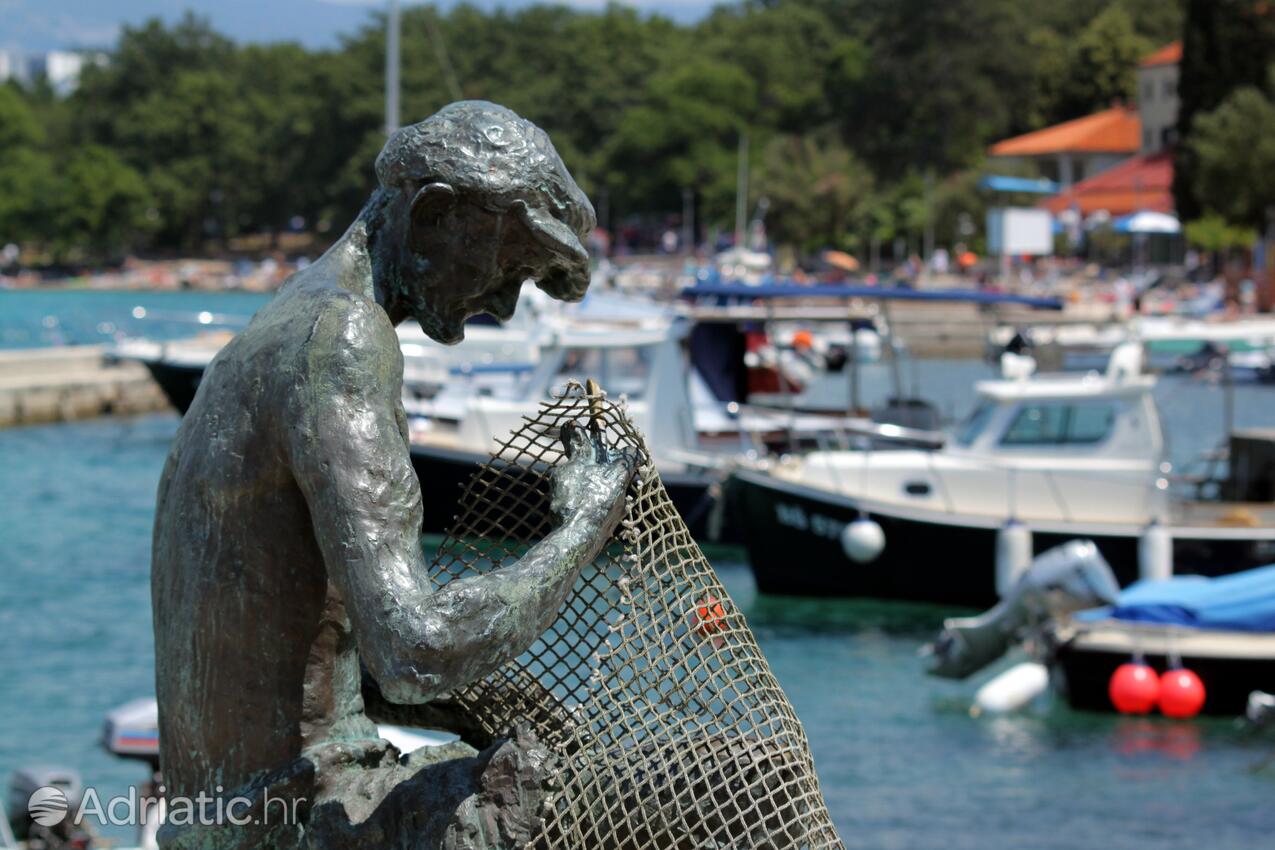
x=901 y=761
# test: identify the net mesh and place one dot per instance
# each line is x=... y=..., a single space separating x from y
x=672 y=731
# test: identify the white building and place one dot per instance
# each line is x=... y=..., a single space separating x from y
x=1158 y=97
x=61 y=68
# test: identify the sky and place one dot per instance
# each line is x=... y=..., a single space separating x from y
x=36 y=25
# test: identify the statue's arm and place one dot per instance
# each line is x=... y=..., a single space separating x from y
x=350 y=458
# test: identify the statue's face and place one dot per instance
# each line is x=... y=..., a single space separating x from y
x=465 y=260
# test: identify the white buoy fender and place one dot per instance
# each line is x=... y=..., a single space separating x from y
x=1155 y=553
x=1013 y=689
x=1013 y=555
x=863 y=540
x=1017 y=367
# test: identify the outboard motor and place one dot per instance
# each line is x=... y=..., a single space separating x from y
x=60 y=789
x=1067 y=578
x=131 y=731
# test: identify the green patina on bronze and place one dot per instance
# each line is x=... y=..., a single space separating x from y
x=286 y=534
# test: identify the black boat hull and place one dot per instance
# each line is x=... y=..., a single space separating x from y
x=793 y=537
x=1084 y=673
x=443 y=474
x=178 y=382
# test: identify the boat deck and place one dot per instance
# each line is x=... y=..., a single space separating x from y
x=1223 y=515
x=1124 y=637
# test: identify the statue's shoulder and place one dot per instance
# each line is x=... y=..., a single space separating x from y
x=334 y=317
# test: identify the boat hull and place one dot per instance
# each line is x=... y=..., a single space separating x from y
x=1083 y=673
x=444 y=472
x=179 y=382
x=793 y=537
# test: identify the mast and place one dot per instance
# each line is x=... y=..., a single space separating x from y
x=741 y=193
x=392 y=26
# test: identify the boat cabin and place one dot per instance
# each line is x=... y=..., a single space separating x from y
x=1045 y=448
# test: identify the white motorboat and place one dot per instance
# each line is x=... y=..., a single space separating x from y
x=695 y=439
x=1167 y=340
x=1042 y=460
x=491 y=353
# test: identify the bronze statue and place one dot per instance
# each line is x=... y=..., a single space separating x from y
x=286 y=546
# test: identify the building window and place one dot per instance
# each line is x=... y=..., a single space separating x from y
x=1170 y=88
x=1148 y=91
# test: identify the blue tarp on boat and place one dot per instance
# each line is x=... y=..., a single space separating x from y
x=1243 y=602
x=765 y=291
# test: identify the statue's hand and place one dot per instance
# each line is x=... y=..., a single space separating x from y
x=590 y=487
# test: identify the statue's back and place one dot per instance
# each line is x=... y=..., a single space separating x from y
x=238 y=585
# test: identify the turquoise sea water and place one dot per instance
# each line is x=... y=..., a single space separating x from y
x=32 y=318
x=902 y=763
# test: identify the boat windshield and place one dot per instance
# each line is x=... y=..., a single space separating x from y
x=624 y=371
x=1078 y=423
x=974 y=424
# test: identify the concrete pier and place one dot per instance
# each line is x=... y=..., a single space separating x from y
x=41 y=385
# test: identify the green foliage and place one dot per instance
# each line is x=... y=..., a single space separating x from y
x=1214 y=234
x=1226 y=45
x=18 y=125
x=936 y=91
x=26 y=171
x=101 y=203
x=848 y=105
x=27 y=179
x=819 y=192
x=685 y=133
x=1233 y=148
x=1102 y=64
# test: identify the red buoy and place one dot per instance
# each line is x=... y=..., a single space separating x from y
x=709 y=617
x=1181 y=693
x=1134 y=688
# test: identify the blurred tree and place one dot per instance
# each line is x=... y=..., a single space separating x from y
x=1226 y=44
x=788 y=50
x=1101 y=65
x=231 y=139
x=26 y=171
x=202 y=142
x=819 y=192
x=936 y=94
x=281 y=104
x=1159 y=21
x=100 y=205
x=1212 y=233
x=146 y=60
x=684 y=133
x=18 y=125
x=1233 y=150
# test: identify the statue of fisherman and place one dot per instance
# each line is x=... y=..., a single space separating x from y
x=286 y=545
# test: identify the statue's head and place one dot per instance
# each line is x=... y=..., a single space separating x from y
x=478 y=201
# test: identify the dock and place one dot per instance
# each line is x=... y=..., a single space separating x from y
x=41 y=385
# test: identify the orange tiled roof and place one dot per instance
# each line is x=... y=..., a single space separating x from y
x=1115 y=130
x=1139 y=183
x=1170 y=54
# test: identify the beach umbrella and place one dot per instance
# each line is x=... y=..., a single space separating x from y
x=841 y=260
x=1148 y=222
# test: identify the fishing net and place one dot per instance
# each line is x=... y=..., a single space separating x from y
x=671 y=730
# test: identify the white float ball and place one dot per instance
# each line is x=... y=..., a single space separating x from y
x=863 y=540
